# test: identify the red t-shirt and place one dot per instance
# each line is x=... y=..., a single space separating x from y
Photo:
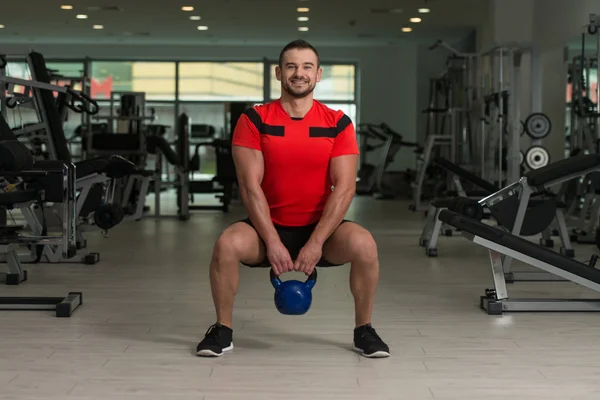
x=296 y=153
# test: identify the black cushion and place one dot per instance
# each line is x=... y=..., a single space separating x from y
x=90 y=167
x=5 y=132
x=82 y=168
x=519 y=244
x=13 y=197
x=116 y=142
x=469 y=193
x=466 y=175
x=559 y=169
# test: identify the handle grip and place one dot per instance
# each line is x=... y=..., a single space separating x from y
x=310 y=282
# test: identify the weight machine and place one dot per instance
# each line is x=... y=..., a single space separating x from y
x=377 y=180
x=95 y=179
x=583 y=195
x=474 y=119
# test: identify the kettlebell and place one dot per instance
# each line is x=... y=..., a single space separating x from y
x=293 y=297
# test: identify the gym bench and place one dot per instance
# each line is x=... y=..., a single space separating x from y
x=433 y=226
x=518 y=208
x=503 y=244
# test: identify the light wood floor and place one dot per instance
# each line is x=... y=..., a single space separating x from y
x=148 y=303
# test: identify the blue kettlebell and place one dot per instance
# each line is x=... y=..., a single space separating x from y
x=293 y=297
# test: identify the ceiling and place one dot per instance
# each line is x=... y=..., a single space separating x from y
x=260 y=22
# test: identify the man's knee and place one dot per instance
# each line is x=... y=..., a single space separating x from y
x=364 y=247
x=237 y=243
x=229 y=245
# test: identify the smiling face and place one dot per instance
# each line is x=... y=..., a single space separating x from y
x=299 y=72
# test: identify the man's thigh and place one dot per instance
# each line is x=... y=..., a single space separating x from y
x=345 y=243
x=246 y=241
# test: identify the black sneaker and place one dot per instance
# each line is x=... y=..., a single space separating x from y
x=217 y=340
x=368 y=343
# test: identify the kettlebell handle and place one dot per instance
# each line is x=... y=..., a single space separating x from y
x=310 y=281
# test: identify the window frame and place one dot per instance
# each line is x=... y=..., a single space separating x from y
x=266 y=61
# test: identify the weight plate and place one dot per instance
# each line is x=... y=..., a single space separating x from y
x=538 y=126
x=537 y=157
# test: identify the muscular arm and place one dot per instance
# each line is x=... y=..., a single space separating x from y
x=343 y=175
x=249 y=165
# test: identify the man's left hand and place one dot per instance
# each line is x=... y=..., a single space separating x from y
x=308 y=257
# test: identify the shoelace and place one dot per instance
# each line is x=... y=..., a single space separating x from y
x=211 y=329
x=370 y=333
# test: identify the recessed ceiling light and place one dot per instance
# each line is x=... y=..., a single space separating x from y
x=195 y=18
x=203 y=28
x=415 y=20
x=303 y=28
x=2 y=26
x=98 y=26
x=187 y=8
x=302 y=19
x=303 y=9
x=423 y=10
x=81 y=16
x=406 y=29
x=66 y=7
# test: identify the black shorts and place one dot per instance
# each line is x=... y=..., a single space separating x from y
x=293 y=238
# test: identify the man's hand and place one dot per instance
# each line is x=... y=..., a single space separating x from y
x=308 y=257
x=279 y=257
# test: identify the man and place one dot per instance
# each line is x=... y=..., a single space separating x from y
x=296 y=162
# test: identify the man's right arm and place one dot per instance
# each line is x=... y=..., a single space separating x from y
x=249 y=164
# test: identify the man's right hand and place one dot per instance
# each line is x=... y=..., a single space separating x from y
x=279 y=257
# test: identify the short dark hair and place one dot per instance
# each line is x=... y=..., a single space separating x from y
x=298 y=44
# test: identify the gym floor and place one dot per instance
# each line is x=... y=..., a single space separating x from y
x=148 y=303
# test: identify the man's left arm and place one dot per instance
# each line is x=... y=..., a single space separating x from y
x=343 y=176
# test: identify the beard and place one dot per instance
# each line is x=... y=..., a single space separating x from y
x=298 y=94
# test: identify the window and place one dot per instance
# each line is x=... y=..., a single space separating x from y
x=156 y=79
x=337 y=83
x=17 y=70
x=348 y=109
x=68 y=70
x=221 y=81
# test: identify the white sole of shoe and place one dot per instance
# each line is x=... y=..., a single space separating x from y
x=377 y=354
x=210 y=353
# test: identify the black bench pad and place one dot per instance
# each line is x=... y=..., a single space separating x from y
x=18 y=196
x=469 y=193
x=466 y=175
x=568 y=166
x=519 y=244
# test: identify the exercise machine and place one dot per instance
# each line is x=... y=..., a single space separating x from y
x=394 y=142
x=370 y=139
x=96 y=204
x=28 y=184
x=475 y=122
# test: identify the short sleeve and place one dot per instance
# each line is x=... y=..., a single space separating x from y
x=345 y=141
x=246 y=133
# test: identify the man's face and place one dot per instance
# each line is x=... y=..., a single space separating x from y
x=299 y=72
